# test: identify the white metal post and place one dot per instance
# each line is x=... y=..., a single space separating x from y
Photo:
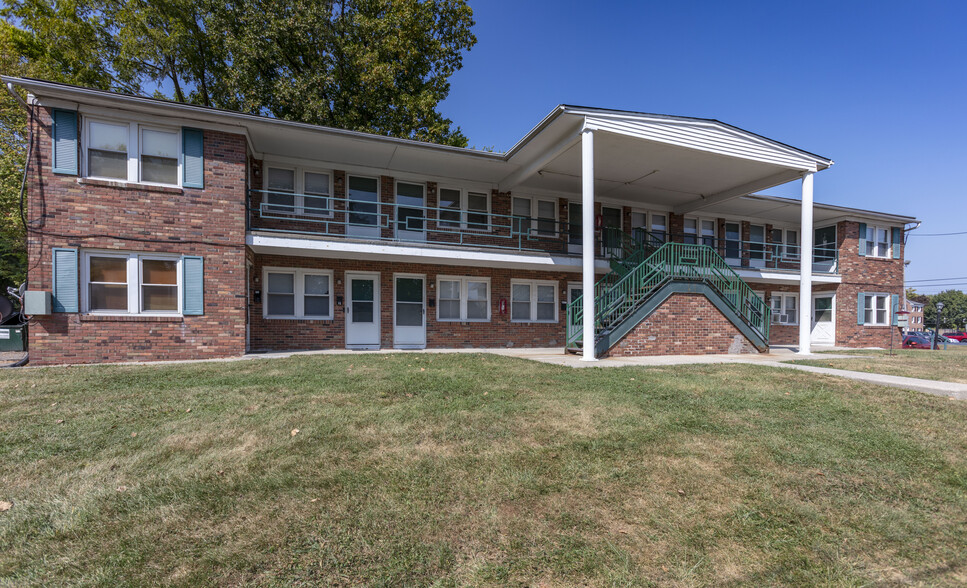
x=587 y=241
x=806 y=264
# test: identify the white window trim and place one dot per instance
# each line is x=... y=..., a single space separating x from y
x=699 y=236
x=533 y=300
x=299 y=187
x=134 y=150
x=133 y=267
x=534 y=208
x=783 y=248
x=299 y=293
x=464 y=289
x=778 y=316
x=872 y=245
x=464 y=210
x=889 y=309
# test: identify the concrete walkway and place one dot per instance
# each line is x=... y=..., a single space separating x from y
x=778 y=358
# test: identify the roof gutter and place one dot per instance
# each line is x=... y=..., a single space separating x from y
x=17 y=97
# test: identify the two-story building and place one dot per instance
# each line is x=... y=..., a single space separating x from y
x=170 y=231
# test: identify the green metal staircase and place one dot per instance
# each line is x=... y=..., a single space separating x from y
x=642 y=277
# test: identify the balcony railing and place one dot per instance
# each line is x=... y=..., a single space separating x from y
x=408 y=223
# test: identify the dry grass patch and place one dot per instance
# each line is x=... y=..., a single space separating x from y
x=430 y=470
x=948 y=365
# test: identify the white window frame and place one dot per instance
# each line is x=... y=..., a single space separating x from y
x=533 y=300
x=783 y=248
x=872 y=248
x=464 y=210
x=778 y=315
x=464 y=297
x=699 y=236
x=299 y=286
x=299 y=188
x=133 y=150
x=887 y=303
x=534 y=209
x=134 y=282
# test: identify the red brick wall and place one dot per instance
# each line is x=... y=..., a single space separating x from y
x=685 y=324
x=137 y=218
x=289 y=334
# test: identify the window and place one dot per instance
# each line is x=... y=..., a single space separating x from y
x=532 y=301
x=159 y=156
x=784 y=308
x=878 y=241
x=297 y=191
x=533 y=216
x=107 y=150
x=133 y=153
x=131 y=283
x=658 y=228
x=298 y=294
x=463 y=299
x=876 y=309
x=465 y=209
x=785 y=243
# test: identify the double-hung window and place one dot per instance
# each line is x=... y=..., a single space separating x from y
x=131 y=283
x=463 y=299
x=878 y=241
x=535 y=216
x=784 y=308
x=465 y=209
x=133 y=153
x=297 y=191
x=297 y=294
x=785 y=243
x=876 y=309
x=533 y=301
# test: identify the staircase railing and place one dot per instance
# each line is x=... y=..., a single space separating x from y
x=617 y=299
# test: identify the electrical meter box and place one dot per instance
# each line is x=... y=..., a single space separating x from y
x=36 y=302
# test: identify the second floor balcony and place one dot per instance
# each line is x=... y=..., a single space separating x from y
x=412 y=223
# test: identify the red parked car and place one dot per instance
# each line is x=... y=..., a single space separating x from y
x=916 y=342
x=956 y=336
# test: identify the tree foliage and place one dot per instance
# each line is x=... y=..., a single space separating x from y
x=380 y=66
x=954 y=313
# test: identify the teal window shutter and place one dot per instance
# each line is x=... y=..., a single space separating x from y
x=64 y=142
x=193 y=148
x=193 y=278
x=64 y=272
x=894 y=307
x=860 y=307
x=862 y=241
x=897 y=240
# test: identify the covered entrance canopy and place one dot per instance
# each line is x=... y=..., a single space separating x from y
x=685 y=164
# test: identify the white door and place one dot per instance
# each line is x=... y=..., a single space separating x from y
x=409 y=313
x=823 y=320
x=362 y=311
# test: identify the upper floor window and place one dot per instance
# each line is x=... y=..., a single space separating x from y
x=535 y=216
x=296 y=190
x=465 y=209
x=786 y=243
x=878 y=241
x=133 y=153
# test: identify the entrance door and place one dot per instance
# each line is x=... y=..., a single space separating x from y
x=733 y=244
x=824 y=249
x=757 y=246
x=409 y=313
x=574 y=224
x=823 y=320
x=409 y=212
x=362 y=311
x=573 y=327
x=362 y=216
x=611 y=219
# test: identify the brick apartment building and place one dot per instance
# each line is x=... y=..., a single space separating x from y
x=169 y=231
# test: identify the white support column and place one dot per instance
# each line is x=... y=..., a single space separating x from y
x=806 y=264
x=587 y=241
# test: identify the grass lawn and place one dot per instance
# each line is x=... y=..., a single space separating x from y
x=475 y=470
x=948 y=365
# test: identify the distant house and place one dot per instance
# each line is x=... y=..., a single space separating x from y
x=171 y=231
x=915 y=322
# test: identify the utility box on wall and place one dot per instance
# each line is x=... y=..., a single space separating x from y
x=36 y=302
x=11 y=338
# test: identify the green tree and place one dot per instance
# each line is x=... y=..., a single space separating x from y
x=954 y=312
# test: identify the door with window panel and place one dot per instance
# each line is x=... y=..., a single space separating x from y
x=362 y=311
x=610 y=238
x=823 y=328
x=824 y=248
x=362 y=209
x=409 y=315
x=575 y=224
x=410 y=212
x=733 y=244
x=757 y=246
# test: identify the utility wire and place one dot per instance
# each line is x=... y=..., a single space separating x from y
x=937 y=279
x=912 y=234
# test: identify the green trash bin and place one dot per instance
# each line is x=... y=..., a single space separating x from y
x=11 y=337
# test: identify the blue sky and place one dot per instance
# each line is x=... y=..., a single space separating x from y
x=879 y=87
